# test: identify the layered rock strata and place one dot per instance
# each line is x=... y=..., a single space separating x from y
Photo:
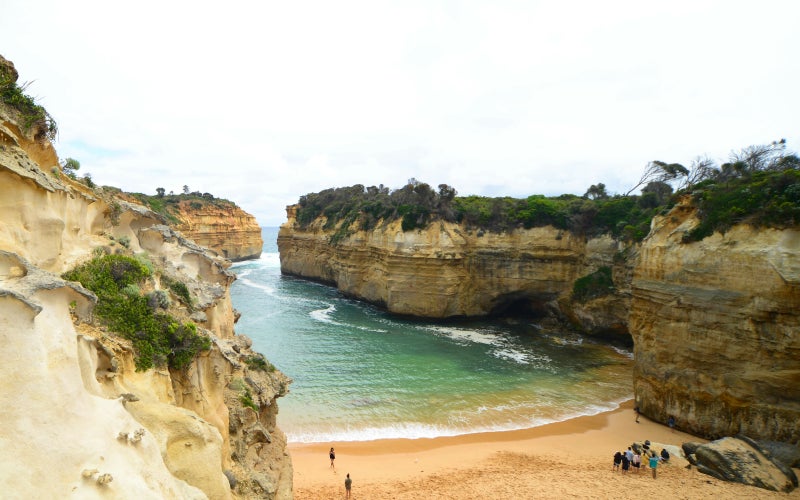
x=75 y=415
x=447 y=271
x=226 y=229
x=716 y=328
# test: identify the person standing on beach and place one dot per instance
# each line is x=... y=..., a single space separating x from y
x=671 y=423
x=332 y=456
x=617 y=461
x=636 y=462
x=637 y=414
x=654 y=463
x=348 y=483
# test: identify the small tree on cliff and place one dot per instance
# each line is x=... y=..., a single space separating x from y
x=596 y=192
x=70 y=166
x=659 y=171
x=160 y=192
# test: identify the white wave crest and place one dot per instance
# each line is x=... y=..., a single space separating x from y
x=415 y=430
x=324 y=315
x=468 y=336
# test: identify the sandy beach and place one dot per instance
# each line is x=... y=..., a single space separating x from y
x=571 y=459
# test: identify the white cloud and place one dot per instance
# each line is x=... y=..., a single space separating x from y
x=262 y=102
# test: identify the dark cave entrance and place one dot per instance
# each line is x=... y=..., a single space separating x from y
x=518 y=305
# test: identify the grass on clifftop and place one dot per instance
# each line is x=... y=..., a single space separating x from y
x=759 y=185
x=158 y=338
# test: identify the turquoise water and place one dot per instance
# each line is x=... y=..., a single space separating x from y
x=360 y=373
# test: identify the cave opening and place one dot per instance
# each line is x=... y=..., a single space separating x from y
x=520 y=305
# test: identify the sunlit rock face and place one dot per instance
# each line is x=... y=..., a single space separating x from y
x=73 y=408
x=716 y=327
x=226 y=229
x=447 y=271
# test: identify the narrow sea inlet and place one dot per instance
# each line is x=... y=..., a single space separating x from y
x=361 y=374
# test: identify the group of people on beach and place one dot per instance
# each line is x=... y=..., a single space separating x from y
x=634 y=457
x=348 y=483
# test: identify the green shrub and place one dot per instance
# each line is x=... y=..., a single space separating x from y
x=158 y=339
x=179 y=288
x=417 y=205
x=259 y=363
x=593 y=285
x=34 y=117
x=765 y=198
x=158 y=299
x=247 y=400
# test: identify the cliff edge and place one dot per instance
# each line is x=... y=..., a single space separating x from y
x=79 y=414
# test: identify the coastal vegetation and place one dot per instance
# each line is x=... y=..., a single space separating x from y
x=33 y=117
x=759 y=185
x=158 y=338
x=168 y=205
x=593 y=285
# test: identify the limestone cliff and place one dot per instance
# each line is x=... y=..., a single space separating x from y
x=76 y=418
x=715 y=325
x=448 y=271
x=224 y=228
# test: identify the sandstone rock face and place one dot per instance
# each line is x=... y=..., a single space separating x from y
x=226 y=229
x=715 y=325
x=73 y=408
x=446 y=270
x=744 y=461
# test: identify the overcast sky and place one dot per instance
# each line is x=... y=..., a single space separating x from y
x=261 y=102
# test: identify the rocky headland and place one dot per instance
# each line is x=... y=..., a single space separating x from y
x=220 y=226
x=82 y=413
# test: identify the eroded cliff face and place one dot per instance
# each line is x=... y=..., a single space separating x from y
x=75 y=415
x=226 y=229
x=716 y=327
x=447 y=271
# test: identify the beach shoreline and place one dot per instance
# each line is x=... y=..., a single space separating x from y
x=571 y=458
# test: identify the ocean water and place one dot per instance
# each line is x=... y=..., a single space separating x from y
x=360 y=373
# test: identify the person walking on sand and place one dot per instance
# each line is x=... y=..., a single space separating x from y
x=671 y=423
x=348 y=483
x=637 y=414
x=332 y=456
x=654 y=463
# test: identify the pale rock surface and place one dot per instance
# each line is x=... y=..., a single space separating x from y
x=76 y=418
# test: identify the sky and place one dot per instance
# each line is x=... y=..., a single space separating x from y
x=261 y=102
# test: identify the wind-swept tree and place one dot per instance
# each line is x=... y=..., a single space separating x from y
x=659 y=171
x=70 y=166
